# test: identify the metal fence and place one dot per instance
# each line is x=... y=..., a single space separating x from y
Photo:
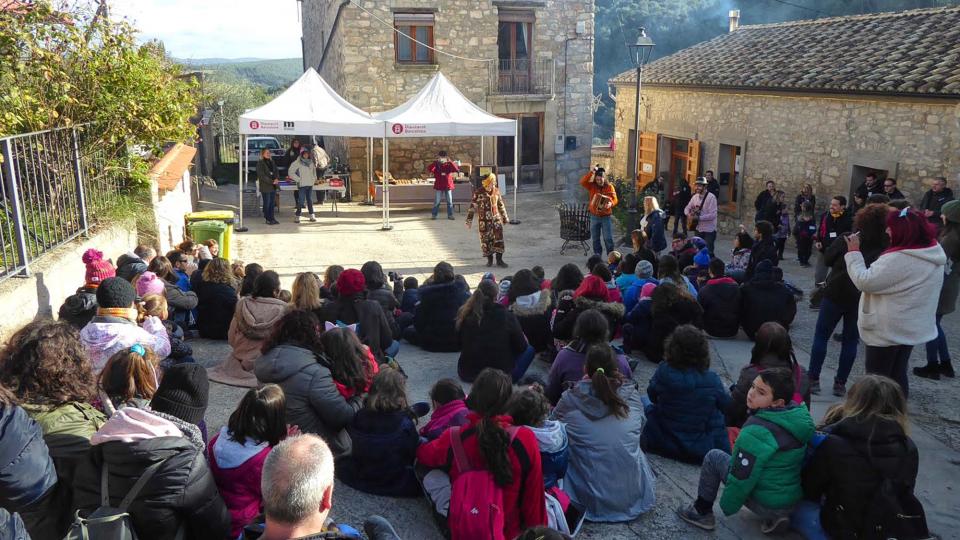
x=522 y=76
x=54 y=183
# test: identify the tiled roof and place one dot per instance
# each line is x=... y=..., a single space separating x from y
x=169 y=170
x=908 y=52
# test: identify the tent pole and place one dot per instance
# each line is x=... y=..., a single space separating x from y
x=516 y=171
x=481 y=151
x=241 y=181
x=386 y=182
x=369 y=169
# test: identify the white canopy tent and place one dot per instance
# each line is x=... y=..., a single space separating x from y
x=440 y=110
x=308 y=107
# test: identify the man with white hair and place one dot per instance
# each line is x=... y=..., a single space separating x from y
x=297 y=488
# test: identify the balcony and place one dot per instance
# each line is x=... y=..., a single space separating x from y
x=519 y=77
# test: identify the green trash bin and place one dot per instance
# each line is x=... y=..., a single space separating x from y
x=223 y=216
x=201 y=231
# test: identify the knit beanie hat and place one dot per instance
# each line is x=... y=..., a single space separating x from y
x=592 y=287
x=764 y=270
x=702 y=258
x=647 y=290
x=351 y=282
x=505 y=287
x=115 y=292
x=644 y=269
x=97 y=268
x=183 y=392
x=951 y=211
x=698 y=242
x=149 y=283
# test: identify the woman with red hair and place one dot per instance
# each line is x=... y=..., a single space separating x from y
x=900 y=292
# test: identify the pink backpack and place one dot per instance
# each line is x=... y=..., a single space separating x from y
x=476 y=501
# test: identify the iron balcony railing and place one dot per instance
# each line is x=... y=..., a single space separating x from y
x=53 y=183
x=523 y=76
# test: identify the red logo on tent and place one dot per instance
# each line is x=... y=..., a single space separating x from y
x=254 y=124
x=397 y=129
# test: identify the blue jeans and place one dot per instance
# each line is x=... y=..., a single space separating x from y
x=806 y=521
x=269 y=203
x=522 y=362
x=601 y=226
x=830 y=315
x=303 y=194
x=443 y=194
x=937 y=347
x=393 y=349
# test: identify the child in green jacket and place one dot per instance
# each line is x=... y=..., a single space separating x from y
x=764 y=472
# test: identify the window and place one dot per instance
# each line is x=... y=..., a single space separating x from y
x=419 y=27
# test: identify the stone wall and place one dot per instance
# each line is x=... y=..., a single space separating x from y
x=57 y=275
x=360 y=66
x=795 y=139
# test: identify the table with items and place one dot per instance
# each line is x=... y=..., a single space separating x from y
x=420 y=191
x=335 y=184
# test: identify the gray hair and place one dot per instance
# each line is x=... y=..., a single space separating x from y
x=145 y=252
x=296 y=475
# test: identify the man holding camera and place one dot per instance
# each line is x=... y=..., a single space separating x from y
x=602 y=200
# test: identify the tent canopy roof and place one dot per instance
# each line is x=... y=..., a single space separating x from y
x=310 y=107
x=440 y=110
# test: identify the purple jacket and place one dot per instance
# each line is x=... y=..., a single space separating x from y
x=568 y=368
x=447 y=415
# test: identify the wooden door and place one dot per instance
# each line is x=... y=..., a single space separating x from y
x=647 y=156
x=693 y=163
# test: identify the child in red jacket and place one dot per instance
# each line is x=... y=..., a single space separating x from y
x=237 y=453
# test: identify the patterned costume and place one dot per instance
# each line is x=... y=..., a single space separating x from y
x=491 y=214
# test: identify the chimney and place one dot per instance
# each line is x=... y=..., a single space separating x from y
x=734 y=19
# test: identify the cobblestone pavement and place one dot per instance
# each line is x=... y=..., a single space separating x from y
x=416 y=243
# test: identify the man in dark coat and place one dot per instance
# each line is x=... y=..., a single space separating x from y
x=713 y=185
x=934 y=199
x=133 y=264
x=890 y=189
x=764 y=299
x=765 y=207
x=870 y=186
x=720 y=299
x=833 y=223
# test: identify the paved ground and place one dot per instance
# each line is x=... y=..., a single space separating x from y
x=417 y=243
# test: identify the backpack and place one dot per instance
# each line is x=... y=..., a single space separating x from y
x=107 y=522
x=894 y=511
x=476 y=501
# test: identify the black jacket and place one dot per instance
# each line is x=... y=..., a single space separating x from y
x=28 y=478
x=798 y=204
x=266 y=174
x=666 y=318
x=760 y=203
x=830 y=228
x=388 y=301
x=763 y=300
x=720 y=300
x=838 y=288
x=384 y=448
x=436 y=314
x=864 y=191
x=763 y=249
x=216 y=303
x=569 y=308
x=494 y=342
x=736 y=412
x=129 y=265
x=841 y=472
x=373 y=329
x=79 y=307
x=535 y=321
x=181 y=491
x=935 y=201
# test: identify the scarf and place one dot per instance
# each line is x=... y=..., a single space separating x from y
x=836 y=215
x=123 y=313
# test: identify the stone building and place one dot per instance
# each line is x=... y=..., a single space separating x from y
x=525 y=59
x=820 y=101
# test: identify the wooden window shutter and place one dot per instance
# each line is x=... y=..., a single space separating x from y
x=647 y=159
x=693 y=163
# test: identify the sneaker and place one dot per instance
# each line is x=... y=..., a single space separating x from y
x=296 y=219
x=450 y=218
x=775 y=526
x=929 y=371
x=946 y=369
x=313 y=219
x=815 y=386
x=707 y=522
x=839 y=389
x=378 y=527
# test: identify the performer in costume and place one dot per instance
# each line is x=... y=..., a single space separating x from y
x=487 y=205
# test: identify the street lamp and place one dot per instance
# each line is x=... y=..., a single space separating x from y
x=223 y=135
x=639 y=55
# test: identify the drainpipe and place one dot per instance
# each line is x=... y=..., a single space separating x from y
x=333 y=31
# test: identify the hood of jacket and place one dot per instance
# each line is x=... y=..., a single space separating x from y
x=552 y=435
x=230 y=454
x=531 y=304
x=610 y=309
x=590 y=405
x=722 y=281
x=794 y=418
x=933 y=254
x=282 y=362
x=257 y=316
x=864 y=434
x=440 y=291
x=131 y=424
x=84 y=300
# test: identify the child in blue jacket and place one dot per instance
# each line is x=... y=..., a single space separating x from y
x=687 y=399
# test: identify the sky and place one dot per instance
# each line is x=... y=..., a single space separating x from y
x=216 y=28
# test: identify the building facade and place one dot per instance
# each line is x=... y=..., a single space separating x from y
x=822 y=102
x=526 y=59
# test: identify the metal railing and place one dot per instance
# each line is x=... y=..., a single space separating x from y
x=522 y=76
x=53 y=183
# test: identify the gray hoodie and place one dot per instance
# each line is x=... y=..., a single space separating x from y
x=608 y=472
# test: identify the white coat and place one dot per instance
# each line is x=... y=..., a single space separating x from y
x=304 y=174
x=900 y=293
